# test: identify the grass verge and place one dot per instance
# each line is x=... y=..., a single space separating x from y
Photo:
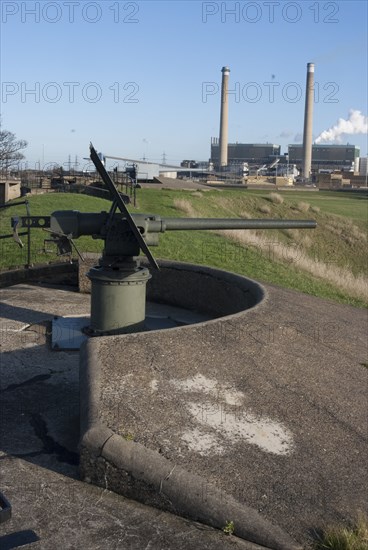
x=353 y=537
x=328 y=262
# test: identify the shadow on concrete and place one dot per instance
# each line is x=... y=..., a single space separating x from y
x=39 y=388
x=39 y=407
x=20 y=538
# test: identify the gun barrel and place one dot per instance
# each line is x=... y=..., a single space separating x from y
x=177 y=224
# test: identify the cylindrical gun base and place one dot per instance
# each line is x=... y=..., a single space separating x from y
x=118 y=300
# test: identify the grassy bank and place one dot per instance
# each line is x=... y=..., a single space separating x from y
x=339 y=537
x=329 y=261
x=41 y=205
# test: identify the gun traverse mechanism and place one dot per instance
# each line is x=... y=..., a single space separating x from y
x=118 y=295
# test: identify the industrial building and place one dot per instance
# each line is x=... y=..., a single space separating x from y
x=253 y=153
x=324 y=157
x=305 y=160
x=363 y=166
x=327 y=157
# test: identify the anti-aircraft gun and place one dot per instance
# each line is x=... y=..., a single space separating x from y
x=118 y=296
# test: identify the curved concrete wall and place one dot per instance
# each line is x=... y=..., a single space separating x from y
x=61 y=273
x=189 y=286
x=203 y=289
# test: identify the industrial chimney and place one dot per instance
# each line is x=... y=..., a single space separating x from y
x=308 y=123
x=224 y=117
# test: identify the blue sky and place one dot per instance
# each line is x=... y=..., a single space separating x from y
x=142 y=78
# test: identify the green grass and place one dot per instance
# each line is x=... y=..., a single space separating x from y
x=344 y=538
x=229 y=528
x=339 y=241
x=40 y=205
x=344 y=204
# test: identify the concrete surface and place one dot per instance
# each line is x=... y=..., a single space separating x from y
x=59 y=512
x=295 y=363
x=68 y=333
x=39 y=433
x=268 y=407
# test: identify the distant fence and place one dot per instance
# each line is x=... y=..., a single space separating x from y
x=10 y=242
x=94 y=191
x=21 y=247
x=89 y=186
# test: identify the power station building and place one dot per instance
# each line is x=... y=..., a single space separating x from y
x=238 y=153
x=327 y=157
x=324 y=157
x=306 y=158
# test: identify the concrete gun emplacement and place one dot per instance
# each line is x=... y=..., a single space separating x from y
x=118 y=298
x=118 y=294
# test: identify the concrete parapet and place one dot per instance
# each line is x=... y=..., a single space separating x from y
x=62 y=273
x=135 y=471
x=194 y=287
x=213 y=419
x=138 y=471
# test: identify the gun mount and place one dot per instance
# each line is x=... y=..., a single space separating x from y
x=118 y=296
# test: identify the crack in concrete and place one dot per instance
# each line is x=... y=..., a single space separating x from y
x=166 y=479
x=33 y=380
x=50 y=446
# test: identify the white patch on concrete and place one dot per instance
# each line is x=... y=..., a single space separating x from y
x=201 y=442
x=270 y=436
x=198 y=383
x=223 y=413
x=233 y=397
x=201 y=384
x=154 y=385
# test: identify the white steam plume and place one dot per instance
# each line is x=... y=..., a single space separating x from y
x=357 y=123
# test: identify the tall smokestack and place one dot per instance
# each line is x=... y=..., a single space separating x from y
x=308 y=122
x=224 y=118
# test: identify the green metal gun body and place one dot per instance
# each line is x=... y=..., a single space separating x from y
x=118 y=282
x=99 y=225
x=120 y=241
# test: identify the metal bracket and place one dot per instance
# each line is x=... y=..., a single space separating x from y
x=32 y=221
x=64 y=244
x=16 y=235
